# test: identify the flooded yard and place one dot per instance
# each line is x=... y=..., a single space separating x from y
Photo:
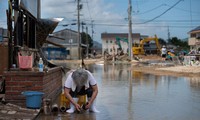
x=127 y=95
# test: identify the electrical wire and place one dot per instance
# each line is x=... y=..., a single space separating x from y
x=151 y=9
x=89 y=10
x=189 y=11
x=162 y=13
x=126 y=25
x=122 y=20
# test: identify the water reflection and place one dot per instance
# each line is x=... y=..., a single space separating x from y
x=129 y=95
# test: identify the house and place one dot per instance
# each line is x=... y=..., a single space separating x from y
x=110 y=43
x=194 y=39
x=65 y=45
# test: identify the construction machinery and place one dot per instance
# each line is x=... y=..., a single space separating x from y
x=118 y=39
x=139 y=50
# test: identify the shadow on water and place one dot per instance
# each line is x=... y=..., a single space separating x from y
x=127 y=95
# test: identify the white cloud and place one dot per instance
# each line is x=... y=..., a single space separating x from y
x=108 y=17
x=114 y=13
x=95 y=10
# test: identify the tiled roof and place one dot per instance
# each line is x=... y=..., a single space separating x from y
x=196 y=29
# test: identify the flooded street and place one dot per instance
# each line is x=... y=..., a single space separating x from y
x=127 y=95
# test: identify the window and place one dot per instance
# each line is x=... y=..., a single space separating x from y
x=192 y=35
x=198 y=36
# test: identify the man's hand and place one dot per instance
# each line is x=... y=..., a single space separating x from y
x=88 y=104
x=78 y=107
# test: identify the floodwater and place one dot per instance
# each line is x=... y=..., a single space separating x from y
x=127 y=95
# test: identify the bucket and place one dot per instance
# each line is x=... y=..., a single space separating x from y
x=33 y=99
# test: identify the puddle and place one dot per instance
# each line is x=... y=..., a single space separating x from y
x=127 y=95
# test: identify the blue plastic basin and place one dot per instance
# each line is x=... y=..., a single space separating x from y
x=33 y=99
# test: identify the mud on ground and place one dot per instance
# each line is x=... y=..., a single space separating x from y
x=179 y=70
x=187 y=71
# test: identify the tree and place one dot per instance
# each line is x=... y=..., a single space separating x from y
x=177 y=42
x=84 y=37
x=162 y=41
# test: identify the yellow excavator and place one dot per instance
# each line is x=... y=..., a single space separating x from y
x=139 y=50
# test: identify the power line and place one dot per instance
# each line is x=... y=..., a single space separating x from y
x=173 y=20
x=147 y=11
x=121 y=24
x=152 y=9
x=88 y=10
x=126 y=25
x=118 y=25
x=92 y=27
x=122 y=20
x=189 y=11
x=163 y=12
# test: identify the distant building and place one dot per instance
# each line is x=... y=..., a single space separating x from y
x=109 y=42
x=194 y=39
x=3 y=34
x=68 y=39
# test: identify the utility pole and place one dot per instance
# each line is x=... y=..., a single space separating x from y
x=130 y=29
x=78 y=23
x=168 y=34
x=92 y=29
x=82 y=26
x=87 y=41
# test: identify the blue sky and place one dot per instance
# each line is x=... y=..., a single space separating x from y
x=110 y=16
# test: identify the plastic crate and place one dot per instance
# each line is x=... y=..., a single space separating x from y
x=65 y=102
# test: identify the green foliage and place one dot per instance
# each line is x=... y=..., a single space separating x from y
x=84 y=37
x=162 y=41
x=179 y=43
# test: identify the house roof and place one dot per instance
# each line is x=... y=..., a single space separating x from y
x=66 y=29
x=112 y=35
x=196 y=29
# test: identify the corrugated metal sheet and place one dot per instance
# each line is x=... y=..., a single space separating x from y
x=30 y=6
x=44 y=28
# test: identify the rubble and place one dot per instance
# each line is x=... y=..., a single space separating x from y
x=13 y=112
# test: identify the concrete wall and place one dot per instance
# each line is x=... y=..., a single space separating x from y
x=18 y=81
x=192 y=41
